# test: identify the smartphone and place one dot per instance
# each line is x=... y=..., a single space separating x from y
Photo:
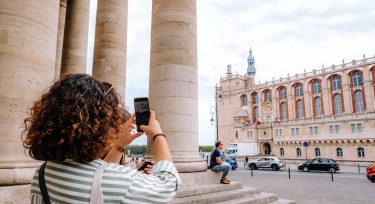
x=144 y=166
x=142 y=112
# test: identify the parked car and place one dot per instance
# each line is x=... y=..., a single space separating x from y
x=320 y=164
x=233 y=163
x=266 y=162
x=371 y=172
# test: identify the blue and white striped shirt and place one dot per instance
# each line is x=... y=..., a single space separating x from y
x=70 y=182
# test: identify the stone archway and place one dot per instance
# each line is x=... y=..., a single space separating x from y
x=266 y=148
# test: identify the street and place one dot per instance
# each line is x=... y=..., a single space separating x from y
x=310 y=187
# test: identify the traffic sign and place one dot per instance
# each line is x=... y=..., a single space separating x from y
x=305 y=144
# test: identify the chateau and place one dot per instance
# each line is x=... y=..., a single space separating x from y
x=328 y=112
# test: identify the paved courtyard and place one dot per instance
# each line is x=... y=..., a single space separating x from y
x=348 y=187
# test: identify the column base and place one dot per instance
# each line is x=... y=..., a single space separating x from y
x=200 y=178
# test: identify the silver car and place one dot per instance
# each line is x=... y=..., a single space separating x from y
x=266 y=162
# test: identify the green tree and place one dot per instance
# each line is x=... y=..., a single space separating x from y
x=206 y=148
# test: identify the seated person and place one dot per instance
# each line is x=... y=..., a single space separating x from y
x=217 y=165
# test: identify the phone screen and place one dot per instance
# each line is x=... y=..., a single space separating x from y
x=142 y=112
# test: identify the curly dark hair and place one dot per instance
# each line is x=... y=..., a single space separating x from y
x=78 y=118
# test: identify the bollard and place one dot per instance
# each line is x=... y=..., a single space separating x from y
x=289 y=172
x=359 y=169
x=251 y=167
x=332 y=175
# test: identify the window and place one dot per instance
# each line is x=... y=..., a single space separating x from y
x=339 y=152
x=336 y=83
x=281 y=151
x=293 y=132
x=267 y=95
x=255 y=98
x=281 y=132
x=331 y=129
x=317 y=152
x=236 y=134
x=297 y=131
x=337 y=103
x=299 y=153
x=299 y=90
x=311 y=130
x=283 y=93
x=248 y=134
x=353 y=128
x=243 y=100
x=359 y=127
x=316 y=130
x=300 y=109
x=361 y=152
x=256 y=114
x=358 y=99
x=251 y=133
x=283 y=111
x=357 y=79
x=337 y=129
x=316 y=87
x=318 y=107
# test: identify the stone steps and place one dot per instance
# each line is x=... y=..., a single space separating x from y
x=205 y=189
x=217 y=196
x=233 y=193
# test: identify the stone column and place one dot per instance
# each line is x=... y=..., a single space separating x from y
x=76 y=34
x=110 y=43
x=60 y=38
x=28 y=36
x=173 y=87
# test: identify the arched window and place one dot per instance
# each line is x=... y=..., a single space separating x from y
x=316 y=87
x=236 y=133
x=243 y=100
x=267 y=96
x=337 y=102
x=299 y=90
x=361 y=152
x=317 y=152
x=255 y=98
x=318 y=106
x=299 y=153
x=336 y=84
x=255 y=114
x=358 y=100
x=283 y=111
x=281 y=151
x=339 y=152
x=283 y=93
x=357 y=79
x=300 y=113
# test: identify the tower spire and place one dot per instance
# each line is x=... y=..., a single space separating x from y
x=250 y=64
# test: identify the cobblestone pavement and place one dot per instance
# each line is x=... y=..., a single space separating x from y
x=348 y=187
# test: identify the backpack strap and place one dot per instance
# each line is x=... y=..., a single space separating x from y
x=42 y=184
x=96 y=196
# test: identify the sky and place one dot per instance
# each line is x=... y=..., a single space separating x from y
x=286 y=37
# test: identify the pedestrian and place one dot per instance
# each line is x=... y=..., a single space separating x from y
x=217 y=165
x=76 y=123
x=246 y=161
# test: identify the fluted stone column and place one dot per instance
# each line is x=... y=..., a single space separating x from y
x=74 y=54
x=28 y=36
x=173 y=87
x=110 y=43
x=60 y=38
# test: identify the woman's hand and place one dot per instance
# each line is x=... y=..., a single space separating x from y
x=153 y=127
x=149 y=167
x=126 y=137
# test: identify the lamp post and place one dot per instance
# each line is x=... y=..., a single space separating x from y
x=212 y=113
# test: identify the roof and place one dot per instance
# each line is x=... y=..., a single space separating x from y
x=241 y=113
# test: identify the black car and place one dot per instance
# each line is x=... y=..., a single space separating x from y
x=319 y=164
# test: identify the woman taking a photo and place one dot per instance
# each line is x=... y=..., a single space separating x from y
x=80 y=129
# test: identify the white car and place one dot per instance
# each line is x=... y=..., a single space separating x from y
x=266 y=162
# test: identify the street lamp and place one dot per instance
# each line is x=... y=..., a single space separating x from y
x=212 y=113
